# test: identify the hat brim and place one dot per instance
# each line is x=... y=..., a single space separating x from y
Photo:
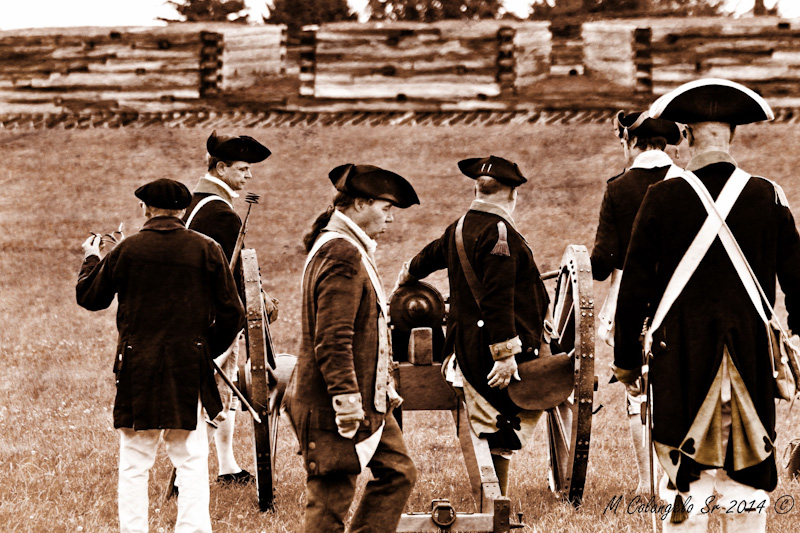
x=384 y=184
x=712 y=100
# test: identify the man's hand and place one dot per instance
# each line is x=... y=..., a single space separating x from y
x=503 y=372
x=349 y=414
x=270 y=307
x=403 y=277
x=395 y=400
x=91 y=246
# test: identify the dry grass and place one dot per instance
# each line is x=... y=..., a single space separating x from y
x=58 y=452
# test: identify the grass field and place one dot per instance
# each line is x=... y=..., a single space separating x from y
x=58 y=451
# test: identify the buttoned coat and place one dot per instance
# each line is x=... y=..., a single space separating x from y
x=177 y=308
x=712 y=312
x=623 y=196
x=216 y=219
x=514 y=303
x=338 y=355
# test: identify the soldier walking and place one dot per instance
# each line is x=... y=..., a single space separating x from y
x=211 y=213
x=713 y=391
x=177 y=307
x=340 y=397
x=643 y=141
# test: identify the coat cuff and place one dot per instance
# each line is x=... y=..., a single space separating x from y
x=626 y=376
x=348 y=405
x=506 y=349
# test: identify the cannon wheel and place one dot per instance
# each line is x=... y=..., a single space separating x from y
x=260 y=354
x=569 y=425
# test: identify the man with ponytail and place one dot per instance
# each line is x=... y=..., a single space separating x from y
x=498 y=305
x=341 y=396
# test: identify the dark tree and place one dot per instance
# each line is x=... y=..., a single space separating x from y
x=297 y=13
x=208 y=10
x=433 y=10
x=622 y=8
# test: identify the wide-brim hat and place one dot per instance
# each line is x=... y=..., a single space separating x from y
x=370 y=181
x=544 y=382
x=165 y=193
x=642 y=126
x=502 y=170
x=232 y=148
x=712 y=100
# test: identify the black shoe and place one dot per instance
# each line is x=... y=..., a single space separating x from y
x=241 y=478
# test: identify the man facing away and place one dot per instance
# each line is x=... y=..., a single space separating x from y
x=211 y=213
x=177 y=307
x=713 y=391
x=341 y=395
x=643 y=140
x=498 y=305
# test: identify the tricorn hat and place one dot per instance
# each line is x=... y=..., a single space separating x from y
x=642 y=126
x=165 y=194
x=373 y=182
x=712 y=100
x=502 y=170
x=231 y=148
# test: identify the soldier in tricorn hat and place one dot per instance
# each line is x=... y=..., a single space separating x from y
x=713 y=391
x=643 y=140
x=340 y=397
x=211 y=213
x=177 y=308
x=498 y=306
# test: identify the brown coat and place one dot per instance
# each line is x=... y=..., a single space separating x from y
x=338 y=355
x=178 y=307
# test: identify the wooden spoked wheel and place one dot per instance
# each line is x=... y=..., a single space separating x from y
x=255 y=378
x=569 y=424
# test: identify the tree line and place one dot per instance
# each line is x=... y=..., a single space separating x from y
x=298 y=13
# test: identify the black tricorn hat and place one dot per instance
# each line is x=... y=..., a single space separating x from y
x=231 y=148
x=502 y=170
x=165 y=194
x=642 y=126
x=712 y=100
x=373 y=182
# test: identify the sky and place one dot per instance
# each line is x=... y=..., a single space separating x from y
x=57 y=13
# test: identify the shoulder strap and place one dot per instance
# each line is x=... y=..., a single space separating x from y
x=200 y=205
x=472 y=279
x=739 y=260
x=697 y=250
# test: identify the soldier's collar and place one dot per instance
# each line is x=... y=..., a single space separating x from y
x=213 y=185
x=344 y=224
x=163 y=223
x=652 y=159
x=494 y=209
x=709 y=158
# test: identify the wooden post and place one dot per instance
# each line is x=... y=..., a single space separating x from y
x=210 y=63
x=643 y=59
x=308 y=62
x=506 y=74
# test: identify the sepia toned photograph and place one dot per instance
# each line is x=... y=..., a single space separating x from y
x=399 y=265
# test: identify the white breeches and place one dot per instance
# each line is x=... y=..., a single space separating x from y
x=188 y=451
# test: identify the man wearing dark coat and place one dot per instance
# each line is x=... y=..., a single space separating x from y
x=492 y=332
x=711 y=370
x=643 y=141
x=340 y=397
x=211 y=213
x=177 y=306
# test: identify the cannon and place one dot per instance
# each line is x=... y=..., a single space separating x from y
x=416 y=314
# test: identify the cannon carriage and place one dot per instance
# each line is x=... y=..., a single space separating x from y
x=417 y=317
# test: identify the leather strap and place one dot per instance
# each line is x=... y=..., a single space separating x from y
x=466 y=267
x=200 y=205
x=697 y=250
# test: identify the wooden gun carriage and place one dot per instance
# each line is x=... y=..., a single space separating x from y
x=416 y=315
